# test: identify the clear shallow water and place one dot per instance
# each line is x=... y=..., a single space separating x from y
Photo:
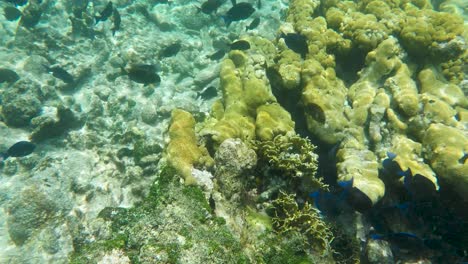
x=85 y=130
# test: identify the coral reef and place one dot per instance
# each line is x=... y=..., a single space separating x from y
x=249 y=109
x=183 y=152
x=18 y=110
x=294 y=157
x=356 y=105
x=233 y=159
x=446 y=150
x=376 y=110
x=288 y=218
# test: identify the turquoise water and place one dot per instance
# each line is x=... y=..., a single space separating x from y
x=94 y=89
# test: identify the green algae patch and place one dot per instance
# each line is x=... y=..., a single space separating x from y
x=173 y=224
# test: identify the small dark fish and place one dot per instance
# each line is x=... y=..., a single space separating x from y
x=316 y=112
x=297 y=43
x=463 y=159
x=210 y=6
x=389 y=166
x=217 y=55
x=31 y=15
x=105 y=14
x=18 y=2
x=238 y=12
x=419 y=187
x=116 y=19
x=11 y=13
x=7 y=75
x=212 y=203
x=240 y=45
x=209 y=92
x=19 y=149
x=60 y=73
x=253 y=24
x=345 y=196
x=259 y=4
x=143 y=73
x=170 y=50
x=162 y=2
x=403 y=241
x=329 y=203
x=358 y=200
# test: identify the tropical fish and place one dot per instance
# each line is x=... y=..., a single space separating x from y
x=390 y=166
x=116 y=20
x=31 y=15
x=253 y=24
x=316 y=112
x=344 y=197
x=418 y=186
x=297 y=43
x=7 y=75
x=143 y=73
x=240 y=45
x=210 y=6
x=170 y=50
x=60 y=73
x=238 y=12
x=11 y=13
x=19 y=149
x=217 y=55
x=105 y=14
x=209 y=92
x=463 y=159
x=332 y=202
x=403 y=241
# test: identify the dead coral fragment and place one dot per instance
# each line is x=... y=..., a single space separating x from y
x=288 y=218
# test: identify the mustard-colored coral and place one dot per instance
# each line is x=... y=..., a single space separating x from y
x=390 y=102
x=183 y=152
x=434 y=83
x=425 y=29
x=447 y=150
x=250 y=108
x=408 y=156
x=358 y=164
x=272 y=120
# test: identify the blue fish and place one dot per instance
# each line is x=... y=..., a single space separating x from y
x=419 y=187
x=333 y=203
x=389 y=165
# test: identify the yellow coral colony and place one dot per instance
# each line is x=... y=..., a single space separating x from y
x=386 y=109
x=182 y=152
